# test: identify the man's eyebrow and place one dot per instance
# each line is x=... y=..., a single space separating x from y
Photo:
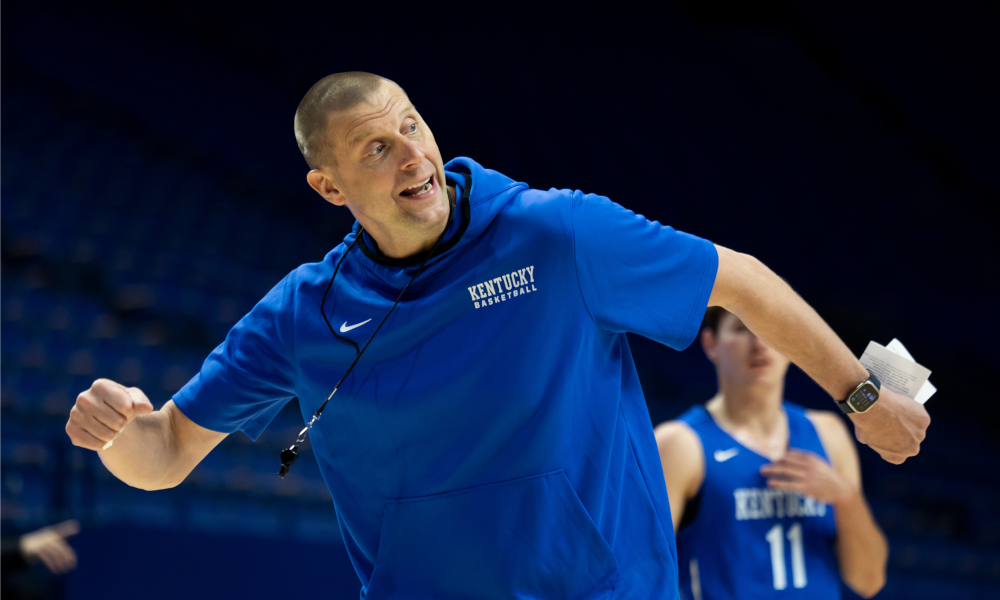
x=357 y=139
x=354 y=141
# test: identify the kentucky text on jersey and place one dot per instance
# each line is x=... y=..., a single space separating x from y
x=505 y=287
x=765 y=503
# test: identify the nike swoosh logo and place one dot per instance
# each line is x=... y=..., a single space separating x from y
x=724 y=455
x=344 y=328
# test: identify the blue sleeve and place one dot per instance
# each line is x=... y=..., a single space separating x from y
x=246 y=380
x=637 y=275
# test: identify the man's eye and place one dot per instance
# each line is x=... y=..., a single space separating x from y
x=413 y=127
x=378 y=150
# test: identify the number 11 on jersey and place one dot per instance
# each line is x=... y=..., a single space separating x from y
x=775 y=538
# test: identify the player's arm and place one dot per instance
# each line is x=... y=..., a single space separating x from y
x=894 y=427
x=155 y=449
x=683 y=463
x=862 y=550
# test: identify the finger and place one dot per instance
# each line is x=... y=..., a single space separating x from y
x=97 y=429
x=782 y=471
x=115 y=396
x=891 y=457
x=67 y=528
x=56 y=559
x=789 y=464
x=53 y=561
x=82 y=438
x=793 y=461
x=140 y=403
x=788 y=486
x=48 y=560
x=64 y=555
x=105 y=407
x=896 y=455
x=775 y=467
x=110 y=417
x=65 y=559
x=800 y=456
x=788 y=459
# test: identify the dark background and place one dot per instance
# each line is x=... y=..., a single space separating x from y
x=152 y=192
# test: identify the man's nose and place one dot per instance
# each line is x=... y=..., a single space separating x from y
x=410 y=154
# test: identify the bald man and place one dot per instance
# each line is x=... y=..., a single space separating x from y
x=489 y=437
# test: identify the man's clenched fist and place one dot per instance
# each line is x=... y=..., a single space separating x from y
x=894 y=427
x=101 y=412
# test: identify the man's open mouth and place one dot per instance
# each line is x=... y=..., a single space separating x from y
x=421 y=188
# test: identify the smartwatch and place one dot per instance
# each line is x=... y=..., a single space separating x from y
x=862 y=398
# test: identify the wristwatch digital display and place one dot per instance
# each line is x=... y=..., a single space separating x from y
x=863 y=397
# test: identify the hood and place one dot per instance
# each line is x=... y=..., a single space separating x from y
x=482 y=194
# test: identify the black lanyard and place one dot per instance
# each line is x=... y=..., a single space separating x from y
x=289 y=454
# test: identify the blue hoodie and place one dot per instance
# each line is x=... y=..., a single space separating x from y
x=493 y=441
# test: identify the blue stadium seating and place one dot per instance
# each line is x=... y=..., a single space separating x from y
x=136 y=265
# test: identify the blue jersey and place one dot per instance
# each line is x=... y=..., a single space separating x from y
x=740 y=539
x=493 y=441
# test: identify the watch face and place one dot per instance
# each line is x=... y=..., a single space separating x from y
x=863 y=398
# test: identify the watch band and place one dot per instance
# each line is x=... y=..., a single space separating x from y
x=843 y=405
x=873 y=379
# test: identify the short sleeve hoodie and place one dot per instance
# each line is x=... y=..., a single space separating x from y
x=493 y=441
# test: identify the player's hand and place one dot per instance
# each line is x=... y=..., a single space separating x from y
x=894 y=427
x=101 y=412
x=808 y=474
x=49 y=546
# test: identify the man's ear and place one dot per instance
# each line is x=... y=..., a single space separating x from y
x=320 y=181
x=708 y=343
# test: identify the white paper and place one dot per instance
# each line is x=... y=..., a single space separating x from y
x=927 y=390
x=896 y=372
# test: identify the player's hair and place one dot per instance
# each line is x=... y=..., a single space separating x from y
x=333 y=93
x=713 y=316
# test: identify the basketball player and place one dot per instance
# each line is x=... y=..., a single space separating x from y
x=765 y=495
x=488 y=436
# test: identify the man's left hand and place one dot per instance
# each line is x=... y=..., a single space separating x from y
x=808 y=474
x=894 y=427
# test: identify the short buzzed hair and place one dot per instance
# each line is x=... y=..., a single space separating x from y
x=333 y=93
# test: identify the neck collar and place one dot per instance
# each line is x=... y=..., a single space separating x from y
x=465 y=213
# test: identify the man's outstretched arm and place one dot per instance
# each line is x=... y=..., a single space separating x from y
x=769 y=307
x=152 y=450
